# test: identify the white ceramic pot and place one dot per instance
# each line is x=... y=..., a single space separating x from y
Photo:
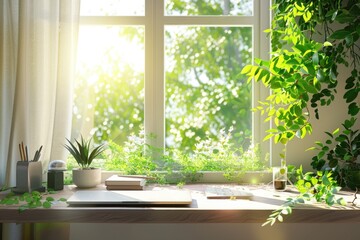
x=86 y=178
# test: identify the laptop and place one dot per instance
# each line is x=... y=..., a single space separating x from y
x=130 y=198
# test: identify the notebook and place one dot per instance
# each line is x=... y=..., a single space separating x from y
x=120 y=180
x=228 y=192
x=130 y=198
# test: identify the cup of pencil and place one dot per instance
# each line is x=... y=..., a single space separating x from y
x=28 y=172
x=24 y=153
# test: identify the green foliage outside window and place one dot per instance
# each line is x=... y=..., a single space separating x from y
x=172 y=165
x=136 y=157
x=204 y=93
x=114 y=99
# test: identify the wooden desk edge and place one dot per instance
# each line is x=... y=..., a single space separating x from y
x=172 y=215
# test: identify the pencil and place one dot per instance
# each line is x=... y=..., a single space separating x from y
x=39 y=153
x=21 y=156
x=23 y=151
x=35 y=156
x=27 y=154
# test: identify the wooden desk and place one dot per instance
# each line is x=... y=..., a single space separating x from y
x=202 y=210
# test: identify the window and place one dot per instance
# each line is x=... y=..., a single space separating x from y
x=169 y=70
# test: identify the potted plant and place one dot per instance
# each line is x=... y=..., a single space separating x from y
x=343 y=159
x=85 y=176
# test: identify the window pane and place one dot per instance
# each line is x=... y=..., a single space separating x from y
x=112 y=8
x=109 y=90
x=204 y=93
x=209 y=7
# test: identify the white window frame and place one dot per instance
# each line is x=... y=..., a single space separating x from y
x=155 y=21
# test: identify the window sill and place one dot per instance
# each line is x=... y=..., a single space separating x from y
x=202 y=210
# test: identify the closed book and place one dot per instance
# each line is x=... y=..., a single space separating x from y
x=124 y=187
x=116 y=180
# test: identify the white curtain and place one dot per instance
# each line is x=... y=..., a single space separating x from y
x=38 y=40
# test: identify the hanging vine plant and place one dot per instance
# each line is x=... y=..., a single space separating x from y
x=310 y=41
x=303 y=71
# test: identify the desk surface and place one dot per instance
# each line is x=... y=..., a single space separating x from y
x=202 y=210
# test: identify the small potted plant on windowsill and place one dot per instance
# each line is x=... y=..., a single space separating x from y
x=85 y=176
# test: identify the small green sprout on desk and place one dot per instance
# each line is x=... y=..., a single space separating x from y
x=27 y=200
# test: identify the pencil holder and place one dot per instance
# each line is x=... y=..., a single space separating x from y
x=28 y=177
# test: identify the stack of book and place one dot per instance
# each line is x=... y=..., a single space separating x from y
x=116 y=182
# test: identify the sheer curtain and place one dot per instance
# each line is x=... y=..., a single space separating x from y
x=38 y=40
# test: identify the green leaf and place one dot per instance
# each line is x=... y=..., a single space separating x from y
x=334 y=14
x=50 y=199
x=315 y=58
x=284 y=140
x=307 y=16
x=351 y=95
x=281 y=128
x=344 y=18
x=310 y=88
x=349 y=123
x=266 y=223
x=320 y=75
x=301 y=7
x=311 y=148
x=287 y=210
x=268 y=136
x=325 y=180
x=328 y=142
x=314 y=181
x=339 y=34
x=341 y=201
x=349 y=40
x=353 y=109
x=46 y=204
x=300 y=200
x=327 y=44
x=246 y=69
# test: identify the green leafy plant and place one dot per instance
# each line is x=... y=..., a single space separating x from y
x=343 y=157
x=34 y=199
x=318 y=187
x=83 y=152
x=133 y=157
x=303 y=72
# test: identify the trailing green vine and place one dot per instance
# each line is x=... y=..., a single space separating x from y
x=31 y=200
x=310 y=41
x=318 y=187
